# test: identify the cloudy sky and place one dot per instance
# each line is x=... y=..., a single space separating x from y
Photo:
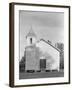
x=46 y=25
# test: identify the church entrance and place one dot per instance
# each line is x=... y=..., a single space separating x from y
x=42 y=64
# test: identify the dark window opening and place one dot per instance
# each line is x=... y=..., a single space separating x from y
x=31 y=40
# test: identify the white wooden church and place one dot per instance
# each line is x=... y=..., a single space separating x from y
x=40 y=55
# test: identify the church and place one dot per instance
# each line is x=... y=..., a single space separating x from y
x=40 y=55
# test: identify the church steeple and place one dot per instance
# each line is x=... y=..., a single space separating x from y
x=31 y=37
x=31 y=33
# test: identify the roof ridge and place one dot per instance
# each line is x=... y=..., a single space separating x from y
x=50 y=44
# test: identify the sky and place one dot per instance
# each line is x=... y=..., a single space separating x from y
x=46 y=25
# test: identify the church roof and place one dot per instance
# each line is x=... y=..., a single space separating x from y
x=50 y=44
x=31 y=33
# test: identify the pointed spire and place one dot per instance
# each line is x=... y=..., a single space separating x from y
x=31 y=33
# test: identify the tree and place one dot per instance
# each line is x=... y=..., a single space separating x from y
x=62 y=60
x=60 y=46
x=22 y=64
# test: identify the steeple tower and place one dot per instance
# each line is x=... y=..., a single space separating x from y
x=31 y=37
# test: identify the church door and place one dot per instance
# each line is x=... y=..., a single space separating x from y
x=42 y=64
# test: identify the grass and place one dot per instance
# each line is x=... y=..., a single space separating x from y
x=25 y=75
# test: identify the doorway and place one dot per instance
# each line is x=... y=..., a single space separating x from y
x=42 y=64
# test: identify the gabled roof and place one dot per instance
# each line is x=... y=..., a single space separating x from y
x=31 y=33
x=50 y=44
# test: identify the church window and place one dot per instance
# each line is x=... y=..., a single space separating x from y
x=31 y=40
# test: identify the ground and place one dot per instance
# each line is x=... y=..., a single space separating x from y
x=24 y=75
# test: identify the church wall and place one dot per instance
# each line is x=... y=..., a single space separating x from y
x=32 y=58
x=51 y=54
